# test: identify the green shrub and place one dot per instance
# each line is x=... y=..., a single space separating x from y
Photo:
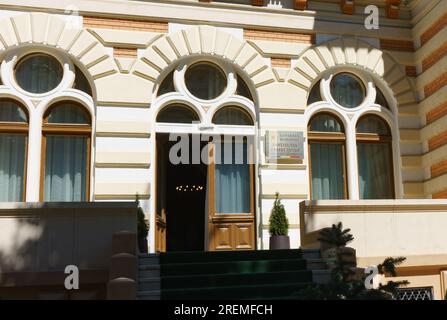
x=279 y=224
x=336 y=235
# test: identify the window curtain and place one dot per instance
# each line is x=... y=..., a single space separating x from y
x=12 y=167
x=232 y=179
x=39 y=74
x=347 y=91
x=65 y=168
x=232 y=116
x=205 y=81
x=11 y=112
x=375 y=173
x=68 y=113
x=328 y=182
x=325 y=123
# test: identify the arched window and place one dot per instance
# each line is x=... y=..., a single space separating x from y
x=13 y=145
x=315 y=94
x=66 y=146
x=347 y=90
x=326 y=138
x=232 y=116
x=177 y=114
x=375 y=160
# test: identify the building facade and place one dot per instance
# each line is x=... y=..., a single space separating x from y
x=92 y=93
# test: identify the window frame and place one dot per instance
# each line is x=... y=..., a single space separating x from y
x=375 y=138
x=56 y=129
x=327 y=138
x=21 y=128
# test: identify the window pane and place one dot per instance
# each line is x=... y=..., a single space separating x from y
x=81 y=82
x=232 y=179
x=205 y=81
x=327 y=171
x=167 y=85
x=65 y=168
x=347 y=90
x=374 y=125
x=10 y=111
x=380 y=99
x=12 y=167
x=325 y=123
x=242 y=89
x=39 y=73
x=315 y=94
x=232 y=116
x=375 y=172
x=177 y=114
x=68 y=113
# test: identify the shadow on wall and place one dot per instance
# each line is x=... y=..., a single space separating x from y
x=38 y=241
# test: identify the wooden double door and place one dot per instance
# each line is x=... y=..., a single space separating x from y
x=198 y=204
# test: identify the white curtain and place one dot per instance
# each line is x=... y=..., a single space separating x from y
x=375 y=172
x=12 y=167
x=232 y=179
x=66 y=168
x=327 y=171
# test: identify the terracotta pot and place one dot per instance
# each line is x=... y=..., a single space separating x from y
x=279 y=242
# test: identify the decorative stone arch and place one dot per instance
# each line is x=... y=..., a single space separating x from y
x=203 y=40
x=42 y=29
x=352 y=51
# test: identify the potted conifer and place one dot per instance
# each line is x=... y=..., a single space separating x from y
x=279 y=226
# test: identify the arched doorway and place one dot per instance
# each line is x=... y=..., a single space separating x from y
x=204 y=160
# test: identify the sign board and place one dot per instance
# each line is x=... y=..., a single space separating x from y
x=284 y=146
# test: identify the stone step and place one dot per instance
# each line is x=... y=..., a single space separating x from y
x=311 y=253
x=149 y=271
x=236 y=292
x=321 y=276
x=316 y=264
x=226 y=267
x=222 y=256
x=149 y=295
x=236 y=279
x=148 y=259
x=149 y=284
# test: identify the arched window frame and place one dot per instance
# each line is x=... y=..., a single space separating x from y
x=18 y=128
x=64 y=129
x=377 y=138
x=328 y=137
x=350 y=117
